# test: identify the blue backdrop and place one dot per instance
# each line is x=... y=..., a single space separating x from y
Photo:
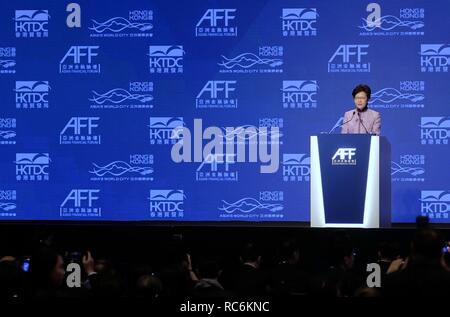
x=90 y=92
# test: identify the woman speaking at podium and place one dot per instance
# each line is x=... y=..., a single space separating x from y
x=361 y=119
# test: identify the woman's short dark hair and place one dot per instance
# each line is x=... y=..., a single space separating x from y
x=360 y=88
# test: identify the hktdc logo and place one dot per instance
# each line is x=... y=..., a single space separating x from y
x=163 y=129
x=434 y=130
x=296 y=167
x=31 y=23
x=299 y=94
x=32 y=166
x=435 y=204
x=32 y=94
x=166 y=59
x=434 y=58
x=299 y=22
x=167 y=203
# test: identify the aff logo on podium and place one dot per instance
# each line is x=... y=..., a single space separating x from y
x=344 y=156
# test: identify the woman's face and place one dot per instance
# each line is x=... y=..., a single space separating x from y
x=58 y=272
x=360 y=100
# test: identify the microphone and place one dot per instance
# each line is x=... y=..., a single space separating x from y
x=340 y=125
x=360 y=120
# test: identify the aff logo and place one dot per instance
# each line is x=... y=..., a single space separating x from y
x=32 y=166
x=163 y=129
x=434 y=130
x=217 y=22
x=31 y=23
x=296 y=167
x=434 y=58
x=80 y=60
x=80 y=130
x=166 y=203
x=164 y=59
x=7 y=131
x=299 y=94
x=349 y=59
x=81 y=203
x=217 y=94
x=299 y=22
x=32 y=94
x=219 y=168
x=344 y=156
x=435 y=204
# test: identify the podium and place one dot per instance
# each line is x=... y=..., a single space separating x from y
x=350 y=181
